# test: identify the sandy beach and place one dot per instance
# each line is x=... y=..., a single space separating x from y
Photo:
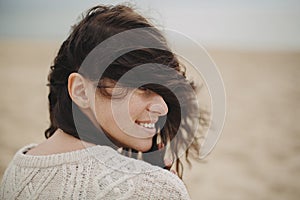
x=257 y=156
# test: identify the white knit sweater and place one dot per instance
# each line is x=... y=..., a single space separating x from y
x=97 y=172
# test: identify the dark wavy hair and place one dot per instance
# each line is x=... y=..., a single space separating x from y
x=97 y=25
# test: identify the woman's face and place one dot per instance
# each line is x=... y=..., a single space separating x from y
x=130 y=120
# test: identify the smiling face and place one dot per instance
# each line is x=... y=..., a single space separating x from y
x=130 y=121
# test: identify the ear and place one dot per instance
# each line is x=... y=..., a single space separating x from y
x=77 y=88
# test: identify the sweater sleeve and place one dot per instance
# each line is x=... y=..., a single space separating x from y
x=161 y=184
x=174 y=188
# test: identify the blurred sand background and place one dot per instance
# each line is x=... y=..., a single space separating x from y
x=256 y=46
x=258 y=154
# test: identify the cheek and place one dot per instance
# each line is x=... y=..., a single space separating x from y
x=119 y=113
x=103 y=111
x=113 y=115
x=136 y=107
x=103 y=114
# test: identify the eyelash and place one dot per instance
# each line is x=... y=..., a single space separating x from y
x=146 y=90
x=143 y=88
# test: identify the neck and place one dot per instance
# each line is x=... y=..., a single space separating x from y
x=59 y=142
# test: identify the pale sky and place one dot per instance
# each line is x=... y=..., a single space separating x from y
x=241 y=24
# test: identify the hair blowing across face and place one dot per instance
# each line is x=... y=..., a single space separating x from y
x=98 y=24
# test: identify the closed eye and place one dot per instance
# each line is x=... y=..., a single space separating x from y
x=145 y=90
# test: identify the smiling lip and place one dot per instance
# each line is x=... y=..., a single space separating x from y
x=146 y=121
x=147 y=126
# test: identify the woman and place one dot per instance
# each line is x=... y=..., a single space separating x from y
x=117 y=93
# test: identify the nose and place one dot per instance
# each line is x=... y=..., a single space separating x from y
x=158 y=105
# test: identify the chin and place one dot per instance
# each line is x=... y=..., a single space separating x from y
x=143 y=146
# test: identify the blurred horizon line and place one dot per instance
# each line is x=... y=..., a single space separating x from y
x=208 y=47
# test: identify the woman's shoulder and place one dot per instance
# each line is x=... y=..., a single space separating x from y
x=106 y=169
x=163 y=183
x=152 y=181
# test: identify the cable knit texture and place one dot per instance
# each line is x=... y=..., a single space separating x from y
x=97 y=172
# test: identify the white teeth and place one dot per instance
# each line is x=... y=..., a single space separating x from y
x=147 y=125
